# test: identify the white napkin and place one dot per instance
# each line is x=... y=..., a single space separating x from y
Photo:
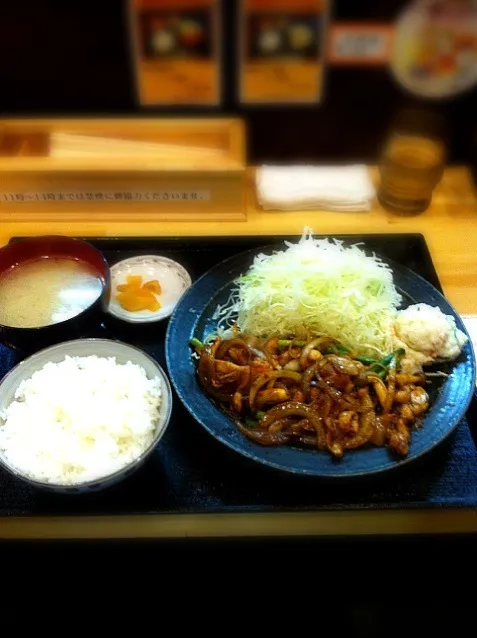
x=335 y=188
x=470 y=322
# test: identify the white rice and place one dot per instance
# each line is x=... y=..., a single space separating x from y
x=80 y=420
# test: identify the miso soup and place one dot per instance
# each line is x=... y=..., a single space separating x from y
x=47 y=291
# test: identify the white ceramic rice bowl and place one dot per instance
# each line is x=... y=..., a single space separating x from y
x=84 y=348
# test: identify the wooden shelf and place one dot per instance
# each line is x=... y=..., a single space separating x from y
x=185 y=169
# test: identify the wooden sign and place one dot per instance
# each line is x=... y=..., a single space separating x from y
x=176 y=46
x=281 y=51
x=136 y=168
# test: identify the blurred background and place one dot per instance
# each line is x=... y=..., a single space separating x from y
x=75 y=59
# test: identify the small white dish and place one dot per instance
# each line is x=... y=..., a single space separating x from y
x=172 y=277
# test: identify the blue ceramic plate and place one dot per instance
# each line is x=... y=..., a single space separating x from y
x=192 y=317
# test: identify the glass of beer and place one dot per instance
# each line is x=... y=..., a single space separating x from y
x=412 y=163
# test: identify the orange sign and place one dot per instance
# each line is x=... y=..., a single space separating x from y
x=281 y=51
x=177 y=51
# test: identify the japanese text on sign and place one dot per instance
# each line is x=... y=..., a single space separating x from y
x=109 y=196
x=360 y=44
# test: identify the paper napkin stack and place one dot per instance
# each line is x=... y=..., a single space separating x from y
x=340 y=188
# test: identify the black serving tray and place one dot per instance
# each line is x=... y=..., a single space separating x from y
x=190 y=472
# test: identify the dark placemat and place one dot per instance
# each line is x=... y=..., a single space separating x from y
x=191 y=472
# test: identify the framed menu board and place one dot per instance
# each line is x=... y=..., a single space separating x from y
x=177 y=53
x=281 y=50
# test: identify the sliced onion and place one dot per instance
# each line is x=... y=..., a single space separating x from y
x=265 y=378
x=232 y=343
x=314 y=344
x=264 y=437
x=206 y=372
x=294 y=365
x=391 y=390
x=291 y=409
x=367 y=422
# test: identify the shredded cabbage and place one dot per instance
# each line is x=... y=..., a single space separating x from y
x=317 y=285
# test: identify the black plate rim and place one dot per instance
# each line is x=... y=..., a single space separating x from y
x=303 y=472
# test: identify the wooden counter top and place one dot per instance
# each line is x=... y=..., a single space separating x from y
x=449 y=226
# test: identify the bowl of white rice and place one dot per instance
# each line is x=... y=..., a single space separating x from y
x=82 y=415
